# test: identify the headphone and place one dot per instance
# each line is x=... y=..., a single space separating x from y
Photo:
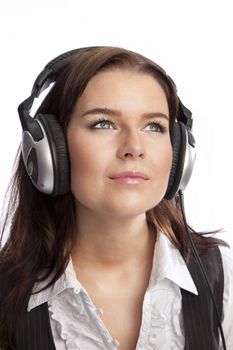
x=44 y=147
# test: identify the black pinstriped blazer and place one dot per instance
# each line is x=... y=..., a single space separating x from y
x=200 y=321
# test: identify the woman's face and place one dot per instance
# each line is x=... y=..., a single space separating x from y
x=119 y=144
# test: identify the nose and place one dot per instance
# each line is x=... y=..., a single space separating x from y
x=131 y=146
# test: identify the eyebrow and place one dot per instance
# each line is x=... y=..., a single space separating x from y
x=115 y=113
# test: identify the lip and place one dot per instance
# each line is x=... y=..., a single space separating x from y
x=130 y=177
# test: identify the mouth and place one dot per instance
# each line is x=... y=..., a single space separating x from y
x=130 y=177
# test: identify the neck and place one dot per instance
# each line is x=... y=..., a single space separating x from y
x=112 y=242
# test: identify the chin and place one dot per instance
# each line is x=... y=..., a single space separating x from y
x=125 y=209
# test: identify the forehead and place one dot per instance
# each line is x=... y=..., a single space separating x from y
x=120 y=88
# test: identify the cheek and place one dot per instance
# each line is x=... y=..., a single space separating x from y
x=81 y=170
x=162 y=163
x=168 y=159
x=168 y=165
x=163 y=158
x=88 y=160
x=81 y=158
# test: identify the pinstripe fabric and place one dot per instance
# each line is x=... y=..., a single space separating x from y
x=35 y=332
x=200 y=321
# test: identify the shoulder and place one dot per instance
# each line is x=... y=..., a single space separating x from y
x=227 y=262
x=3 y=284
x=7 y=278
x=210 y=262
x=227 y=324
x=227 y=259
x=4 y=267
x=220 y=259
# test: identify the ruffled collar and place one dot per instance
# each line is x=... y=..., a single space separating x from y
x=167 y=264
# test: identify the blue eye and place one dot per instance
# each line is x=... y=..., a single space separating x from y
x=155 y=127
x=102 y=124
x=105 y=124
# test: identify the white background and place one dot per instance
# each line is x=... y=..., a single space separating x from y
x=191 y=40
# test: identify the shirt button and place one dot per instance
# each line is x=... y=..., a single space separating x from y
x=76 y=290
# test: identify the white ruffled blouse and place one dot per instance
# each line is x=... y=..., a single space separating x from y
x=77 y=324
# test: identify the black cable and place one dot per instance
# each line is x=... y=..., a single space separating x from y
x=202 y=268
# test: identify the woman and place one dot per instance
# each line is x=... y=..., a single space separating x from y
x=97 y=251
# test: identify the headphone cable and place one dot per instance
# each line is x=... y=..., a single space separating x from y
x=201 y=266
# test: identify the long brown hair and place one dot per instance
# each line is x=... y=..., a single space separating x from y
x=41 y=228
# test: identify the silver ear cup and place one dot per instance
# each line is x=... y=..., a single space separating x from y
x=57 y=146
x=189 y=160
x=183 y=145
x=38 y=161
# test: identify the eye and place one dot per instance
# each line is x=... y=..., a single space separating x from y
x=155 y=127
x=102 y=124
